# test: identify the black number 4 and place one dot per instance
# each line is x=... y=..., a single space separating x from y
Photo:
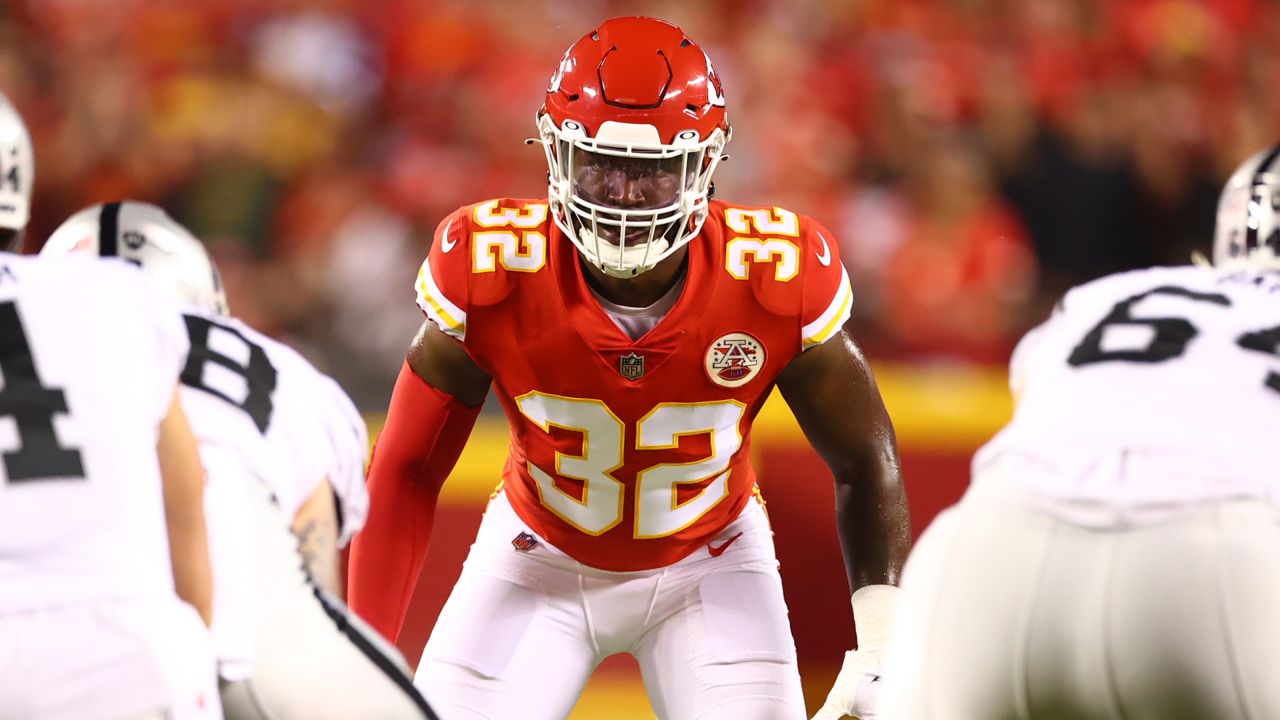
x=1171 y=336
x=258 y=373
x=29 y=402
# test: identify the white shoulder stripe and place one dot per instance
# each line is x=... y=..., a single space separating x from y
x=831 y=319
x=447 y=316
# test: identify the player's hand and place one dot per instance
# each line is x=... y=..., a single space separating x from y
x=856 y=692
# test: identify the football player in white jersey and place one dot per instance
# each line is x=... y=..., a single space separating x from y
x=1118 y=553
x=102 y=534
x=284 y=448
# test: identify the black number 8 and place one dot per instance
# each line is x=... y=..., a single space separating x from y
x=259 y=374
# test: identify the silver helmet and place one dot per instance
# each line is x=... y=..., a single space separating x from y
x=17 y=172
x=144 y=234
x=1248 y=226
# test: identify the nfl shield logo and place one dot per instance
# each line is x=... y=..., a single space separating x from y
x=631 y=366
x=524 y=542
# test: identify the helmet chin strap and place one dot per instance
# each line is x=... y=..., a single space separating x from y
x=624 y=262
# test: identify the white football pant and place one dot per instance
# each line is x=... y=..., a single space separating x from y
x=107 y=661
x=313 y=659
x=522 y=630
x=1012 y=612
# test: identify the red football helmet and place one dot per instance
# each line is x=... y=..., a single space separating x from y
x=633 y=125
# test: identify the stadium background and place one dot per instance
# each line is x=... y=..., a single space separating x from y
x=975 y=157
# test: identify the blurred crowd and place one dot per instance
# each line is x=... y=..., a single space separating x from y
x=974 y=157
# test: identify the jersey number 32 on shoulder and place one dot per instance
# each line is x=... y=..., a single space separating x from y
x=523 y=252
x=768 y=230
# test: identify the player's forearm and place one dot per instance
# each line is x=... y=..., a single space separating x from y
x=315 y=526
x=873 y=523
x=387 y=555
x=425 y=432
x=183 y=488
x=192 y=576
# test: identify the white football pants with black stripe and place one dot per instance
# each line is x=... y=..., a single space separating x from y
x=313 y=659
x=1011 y=612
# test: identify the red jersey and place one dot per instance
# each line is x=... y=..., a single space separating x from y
x=631 y=454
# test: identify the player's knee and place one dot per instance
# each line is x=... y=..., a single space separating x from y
x=457 y=692
x=754 y=707
x=751 y=689
x=436 y=674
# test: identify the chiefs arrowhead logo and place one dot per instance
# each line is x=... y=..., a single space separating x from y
x=734 y=359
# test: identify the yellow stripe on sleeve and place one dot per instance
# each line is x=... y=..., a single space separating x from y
x=449 y=317
x=835 y=316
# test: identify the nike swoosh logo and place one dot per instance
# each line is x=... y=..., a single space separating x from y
x=717 y=550
x=447 y=244
x=824 y=257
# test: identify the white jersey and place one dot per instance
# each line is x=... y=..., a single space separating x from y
x=262 y=414
x=291 y=425
x=90 y=353
x=1150 y=387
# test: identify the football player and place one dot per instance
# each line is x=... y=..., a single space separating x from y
x=1118 y=553
x=101 y=511
x=631 y=328
x=284 y=448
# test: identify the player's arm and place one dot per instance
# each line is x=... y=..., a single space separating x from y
x=834 y=396
x=182 y=476
x=315 y=525
x=433 y=408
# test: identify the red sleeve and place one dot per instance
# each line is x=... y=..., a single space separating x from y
x=442 y=284
x=827 y=296
x=425 y=432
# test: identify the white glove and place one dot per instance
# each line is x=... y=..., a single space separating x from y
x=857 y=689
